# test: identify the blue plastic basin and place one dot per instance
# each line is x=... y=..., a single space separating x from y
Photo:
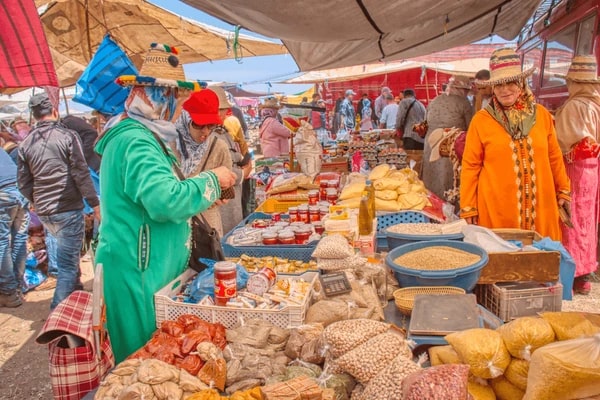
x=465 y=277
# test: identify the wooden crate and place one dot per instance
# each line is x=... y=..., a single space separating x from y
x=339 y=164
x=540 y=266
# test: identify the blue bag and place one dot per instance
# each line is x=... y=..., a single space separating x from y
x=567 y=264
x=96 y=87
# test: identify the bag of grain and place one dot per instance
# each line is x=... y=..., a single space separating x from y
x=483 y=350
x=439 y=355
x=524 y=335
x=505 y=390
x=343 y=336
x=516 y=373
x=480 y=390
x=570 y=325
x=565 y=370
x=387 y=385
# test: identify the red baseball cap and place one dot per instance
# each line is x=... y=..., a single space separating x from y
x=203 y=107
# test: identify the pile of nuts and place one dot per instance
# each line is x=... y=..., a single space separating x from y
x=368 y=359
x=388 y=383
x=343 y=336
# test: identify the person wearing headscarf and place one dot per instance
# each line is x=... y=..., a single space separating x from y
x=230 y=132
x=513 y=175
x=578 y=131
x=450 y=109
x=366 y=113
x=197 y=148
x=144 y=234
x=274 y=136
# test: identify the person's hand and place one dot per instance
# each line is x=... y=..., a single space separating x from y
x=97 y=213
x=247 y=169
x=563 y=201
x=472 y=220
x=220 y=202
x=225 y=176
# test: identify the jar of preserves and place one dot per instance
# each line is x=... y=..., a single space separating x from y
x=319 y=228
x=270 y=238
x=293 y=213
x=302 y=234
x=323 y=211
x=225 y=282
x=332 y=196
x=303 y=214
x=286 y=237
x=314 y=213
x=323 y=190
x=313 y=197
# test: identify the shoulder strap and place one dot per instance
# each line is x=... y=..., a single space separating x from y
x=180 y=175
x=210 y=149
x=406 y=115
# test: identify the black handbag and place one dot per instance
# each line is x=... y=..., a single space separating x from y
x=205 y=240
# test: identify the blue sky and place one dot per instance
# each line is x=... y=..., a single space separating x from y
x=251 y=69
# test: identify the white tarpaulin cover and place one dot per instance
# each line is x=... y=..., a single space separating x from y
x=324 y=34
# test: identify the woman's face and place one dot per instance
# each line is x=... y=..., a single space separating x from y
x=200 y=132
x=507 y=93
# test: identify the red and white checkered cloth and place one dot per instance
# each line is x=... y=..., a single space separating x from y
x=74 y=371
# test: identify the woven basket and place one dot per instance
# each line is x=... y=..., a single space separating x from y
x=405 y=297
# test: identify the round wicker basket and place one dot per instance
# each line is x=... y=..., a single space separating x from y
x=405 y=297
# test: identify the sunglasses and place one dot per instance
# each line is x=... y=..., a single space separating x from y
x=199 y=127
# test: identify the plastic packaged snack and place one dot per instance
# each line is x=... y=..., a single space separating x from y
x=483 y=350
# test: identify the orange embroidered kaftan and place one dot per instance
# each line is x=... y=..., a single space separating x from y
x=513 y=183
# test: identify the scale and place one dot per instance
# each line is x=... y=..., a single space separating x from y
x=335 y=283
x=440 y=315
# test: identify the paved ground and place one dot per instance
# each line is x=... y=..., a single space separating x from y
x=24 y=363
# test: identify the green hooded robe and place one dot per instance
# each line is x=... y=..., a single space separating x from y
x=144 y=233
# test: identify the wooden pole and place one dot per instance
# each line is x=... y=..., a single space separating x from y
x=66 y=101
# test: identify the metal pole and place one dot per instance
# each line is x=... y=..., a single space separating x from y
x=66 y=101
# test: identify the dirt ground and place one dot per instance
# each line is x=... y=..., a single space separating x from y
x=24 y=363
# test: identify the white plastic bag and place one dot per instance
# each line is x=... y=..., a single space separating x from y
x=487 y=239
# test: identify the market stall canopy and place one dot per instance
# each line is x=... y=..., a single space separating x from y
x=237 y=91
x=337 y=33
x=25 y=59
x=75 y=28
x=467 y=67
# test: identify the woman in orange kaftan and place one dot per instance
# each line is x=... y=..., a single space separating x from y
x=513 y=175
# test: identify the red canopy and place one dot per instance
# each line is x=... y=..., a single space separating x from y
x=25 y=59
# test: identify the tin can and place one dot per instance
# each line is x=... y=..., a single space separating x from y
x=225 y=282
x=262 y=281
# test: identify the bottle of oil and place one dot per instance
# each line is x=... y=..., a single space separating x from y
x=365 y=218
x=371 y=190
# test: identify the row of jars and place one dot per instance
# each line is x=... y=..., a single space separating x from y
x=292 y=233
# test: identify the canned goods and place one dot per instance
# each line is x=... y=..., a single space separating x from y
x=262 y=281
x=225 y=282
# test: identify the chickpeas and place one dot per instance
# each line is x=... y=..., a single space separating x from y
x=343 y=336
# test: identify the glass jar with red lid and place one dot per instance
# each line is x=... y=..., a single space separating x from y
x=225 y=282
x=302 y=234
x=286 y=237
x=303 y=213
x=269 y=238
x=314 y=213
x=323 y=190
x=293 y=213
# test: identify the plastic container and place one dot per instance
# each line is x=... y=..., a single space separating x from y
x=168 y=309
x=319 y=228
x=303 y=214
x=332 y=196
x=302 y=234
x=286 y=237
x=262 y=281
x=510 y=300
x=225 y=282
x=323 y=190
x=293 y=213
x=313 y=197
x=465 y=277
x=314 y=213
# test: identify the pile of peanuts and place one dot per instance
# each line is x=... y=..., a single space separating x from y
x=343 y=336
x=437 y=258
x=368 y=359
x=388 y=383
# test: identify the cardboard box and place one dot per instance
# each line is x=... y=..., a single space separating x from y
x=540 y=266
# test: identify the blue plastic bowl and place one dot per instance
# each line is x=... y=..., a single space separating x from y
x=399 y=239
x=465 y=277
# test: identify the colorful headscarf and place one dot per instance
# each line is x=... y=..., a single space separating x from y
x=153 y=106
x=366 y=110
x=191 y=151
x=519 y=118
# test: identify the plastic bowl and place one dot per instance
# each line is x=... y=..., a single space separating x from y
x=465 y=277
x=399 y=239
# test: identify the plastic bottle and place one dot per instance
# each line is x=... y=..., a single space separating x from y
x=371 y=190
x=365 y=218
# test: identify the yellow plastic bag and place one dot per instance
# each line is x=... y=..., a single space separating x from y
x=483 y=350
x=351 y=203
x=208 y=394
x=439 y=355
x=526 y=334
x=352 y=191
x=480 y=392
x=379 y=172
x=570 y=325
x=565 y=370
x=386 y=205
x=386 y=194
x=387 y=183
x=505 y=390
x=516 y=373
x=250 y=394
